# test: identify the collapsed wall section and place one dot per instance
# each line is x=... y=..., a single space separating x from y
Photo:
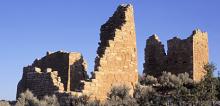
x=57 y=61
x=70 y=68
x=40 y=82
x=116 y=62
x=77 y=71
x=155 y=57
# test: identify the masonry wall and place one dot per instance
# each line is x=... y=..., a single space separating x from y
x=200 y=53
x=70 y=66
x=64 y=73
x=180 y=56
x=65 y=68
x=155 y=57
x=116 y=63
x=183 y=55
x=57 y=61
x=40 y=82
x=77 y=67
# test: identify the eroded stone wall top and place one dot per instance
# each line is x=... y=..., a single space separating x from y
x=54 y=69
x=183 y=55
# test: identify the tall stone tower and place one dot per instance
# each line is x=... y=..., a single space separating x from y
x=200 y=53
x=155 y=56
x=116 y=63
x=187 y=55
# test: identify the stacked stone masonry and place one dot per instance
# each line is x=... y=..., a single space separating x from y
x=116 y=63
x=155 y=56
x=187 y=55
x=64 y=74
x=59 y=71
x=40 y=82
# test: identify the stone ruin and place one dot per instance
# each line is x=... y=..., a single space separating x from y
x=187 y=55
x=59 y=71
x=116 y=64
x=64 y=73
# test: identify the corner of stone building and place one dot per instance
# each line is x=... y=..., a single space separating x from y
x=39 y=82
x=199 y=32
x=200 y=53
x=78 y=71
x=55 y=70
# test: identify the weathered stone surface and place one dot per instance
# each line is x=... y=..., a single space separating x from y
x=187 y=55
x=116 y=62
x=200 y=53
x=56 y=71
x=39 y=82
x=155 y=56
x=180 y=56
x=64 y=74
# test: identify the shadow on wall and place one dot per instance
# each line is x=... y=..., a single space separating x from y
x=78 y=73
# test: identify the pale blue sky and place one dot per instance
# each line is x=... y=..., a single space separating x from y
x=29 y=28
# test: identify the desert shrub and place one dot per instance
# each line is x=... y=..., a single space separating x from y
x=4 y=103
x=84 y=100
x=79 y=101
x=164 y=90
x=28 y=99
x=207 y=88
x=174 y=88
x=49 y=101
x=149 y=80
x=185 y=79
x=169 y=81
x=144 y=95
x=119 y=96
x=94 y=103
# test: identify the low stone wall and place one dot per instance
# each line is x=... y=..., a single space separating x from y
x=40 y=82
x=58 y=71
